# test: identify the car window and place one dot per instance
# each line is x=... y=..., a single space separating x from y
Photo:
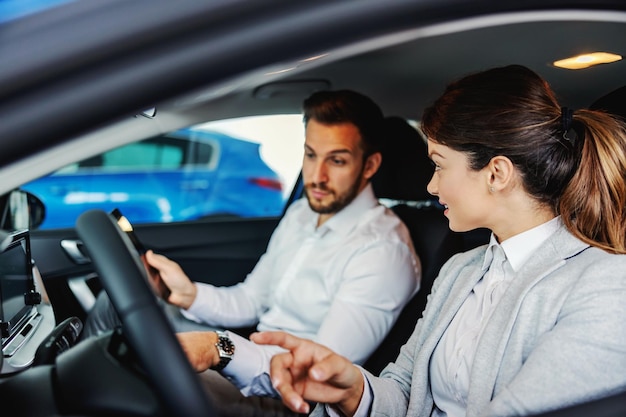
x=14 y=9
x=237 y=168
x=163 y=152
x=151 y=154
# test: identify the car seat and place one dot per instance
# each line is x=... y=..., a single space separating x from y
x=400 y=183
x=613 y=102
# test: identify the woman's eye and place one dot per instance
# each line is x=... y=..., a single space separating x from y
x=435 y=166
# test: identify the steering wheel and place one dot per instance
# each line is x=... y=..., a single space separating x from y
x=144 y=323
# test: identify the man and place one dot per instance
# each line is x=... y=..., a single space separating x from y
x=338 y=268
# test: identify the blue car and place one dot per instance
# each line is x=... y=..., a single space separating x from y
x=184 y=175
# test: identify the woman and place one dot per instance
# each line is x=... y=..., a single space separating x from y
x=533 y=321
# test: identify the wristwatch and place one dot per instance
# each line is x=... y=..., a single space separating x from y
x=225 y=348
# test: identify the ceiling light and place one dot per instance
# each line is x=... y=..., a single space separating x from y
x=587 y=60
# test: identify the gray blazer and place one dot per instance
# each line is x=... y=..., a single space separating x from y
x=557 y=337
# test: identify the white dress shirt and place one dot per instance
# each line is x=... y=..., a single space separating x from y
x=342 y=284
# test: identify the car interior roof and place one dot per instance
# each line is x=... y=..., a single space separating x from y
x=417 y=64
x=402 y=71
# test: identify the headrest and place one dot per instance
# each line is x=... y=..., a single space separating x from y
x=405 y=169
x=613 y=102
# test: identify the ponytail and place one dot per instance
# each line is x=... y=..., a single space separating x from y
x=593 y=203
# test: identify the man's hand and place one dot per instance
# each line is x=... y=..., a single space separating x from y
x=312 y=372
x=154 y=277
x=182 y=290
x=200 y=349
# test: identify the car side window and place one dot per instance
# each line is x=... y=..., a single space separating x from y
x=237 y=168
x=149 y=154
x=162 y=152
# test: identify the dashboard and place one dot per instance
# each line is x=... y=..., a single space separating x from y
x=28 y=327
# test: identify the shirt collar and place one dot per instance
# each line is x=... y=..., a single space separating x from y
x=345 y=219
x=519 y=247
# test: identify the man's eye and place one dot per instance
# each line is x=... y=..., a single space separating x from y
x=309 y=155
x=338 y=161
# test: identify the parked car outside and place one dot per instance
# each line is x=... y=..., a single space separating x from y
x=185 y=175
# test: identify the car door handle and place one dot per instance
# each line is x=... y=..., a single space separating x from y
x=194 y=185
x=74 y=250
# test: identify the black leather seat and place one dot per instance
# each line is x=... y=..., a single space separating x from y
x=613 y=102
x=401 y=183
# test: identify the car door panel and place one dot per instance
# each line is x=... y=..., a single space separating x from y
x=221 y=251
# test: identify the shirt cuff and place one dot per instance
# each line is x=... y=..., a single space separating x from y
x=195 y=309
x=364 y=406
x=249 y=367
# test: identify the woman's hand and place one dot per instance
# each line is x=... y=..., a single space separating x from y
x=200 y=349
x=312 y=372
x=182 y=290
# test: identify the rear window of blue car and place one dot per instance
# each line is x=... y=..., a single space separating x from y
x=151 y=154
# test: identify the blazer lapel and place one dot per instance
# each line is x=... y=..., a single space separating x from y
x=492 y=344
x=449 y=298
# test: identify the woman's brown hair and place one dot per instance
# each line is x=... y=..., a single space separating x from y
x=572 y=161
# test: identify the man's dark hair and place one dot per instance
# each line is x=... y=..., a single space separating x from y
x=346 y=106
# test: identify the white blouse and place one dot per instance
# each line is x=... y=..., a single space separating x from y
x=451 y=364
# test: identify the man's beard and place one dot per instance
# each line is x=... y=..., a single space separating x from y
x=339 y=201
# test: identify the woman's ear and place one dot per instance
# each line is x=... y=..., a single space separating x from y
x=372 y=163
x=502 y=172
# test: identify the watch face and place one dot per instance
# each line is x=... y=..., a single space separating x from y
x=226 y=345
x=226 y=349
